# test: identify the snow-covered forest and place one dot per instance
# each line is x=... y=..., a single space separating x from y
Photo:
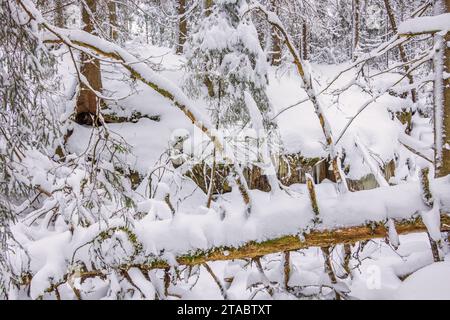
x=224 y=149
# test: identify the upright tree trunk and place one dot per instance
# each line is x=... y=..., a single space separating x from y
x=40 y=4
x=112 y=13
x=207 y=4
x=404 y=59
x=127 y=16
x=402 y=52
x=182 y=25
x=87 y=102
x=59 y=14
x=356 y=27
x=442 y=97
x=305 y=41
x=276 y=38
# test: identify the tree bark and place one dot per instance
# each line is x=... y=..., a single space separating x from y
x=88 y=102
x=324 y=238
x=208 y=6
x=427 y=198
x=442 y=99
x=276 y=38
x=59 y=14
x=286 y=269
x=328 y=266
x=254 y=250
x=182 y=25
x=112 y=12
x=356 y=26
x=445 y=169
x=305 y=41
x=41 y=4
x=401 y=50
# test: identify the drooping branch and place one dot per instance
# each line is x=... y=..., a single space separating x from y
x=410 y=144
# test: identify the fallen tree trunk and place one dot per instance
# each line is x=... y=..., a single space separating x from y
x=324 y=238
x=316 y=238
x=255 y=250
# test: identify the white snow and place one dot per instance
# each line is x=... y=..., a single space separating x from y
x=361 y=119
x=429 y=283
x=425 y=24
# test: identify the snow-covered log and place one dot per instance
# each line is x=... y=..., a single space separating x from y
x=196 y=239
x=254 y=249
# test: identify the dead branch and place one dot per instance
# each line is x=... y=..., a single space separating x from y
x=223 y=291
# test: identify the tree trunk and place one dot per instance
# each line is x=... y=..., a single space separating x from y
x=112 y=12
x=59 y=14
x=182 y=25
x=442 y=98
x=356 y=24
x=253 y=249
x=87 y=102
x=40 y=4
x=124 y=8
x=208 y=6
x=401 y=50
x=276 y=39
x=305 y=41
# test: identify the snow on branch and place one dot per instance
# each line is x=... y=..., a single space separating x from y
x=194 y=240
x=424 y=25
x=90 y=44
x=306 y=77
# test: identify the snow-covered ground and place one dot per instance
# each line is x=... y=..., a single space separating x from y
x=378 y=276
x=299 y=126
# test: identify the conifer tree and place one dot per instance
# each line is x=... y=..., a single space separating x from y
x=225 y=59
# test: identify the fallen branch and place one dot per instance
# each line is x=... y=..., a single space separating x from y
x=222 y=289
x=411 y=145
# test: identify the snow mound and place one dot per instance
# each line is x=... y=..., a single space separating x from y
x=429 y=283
